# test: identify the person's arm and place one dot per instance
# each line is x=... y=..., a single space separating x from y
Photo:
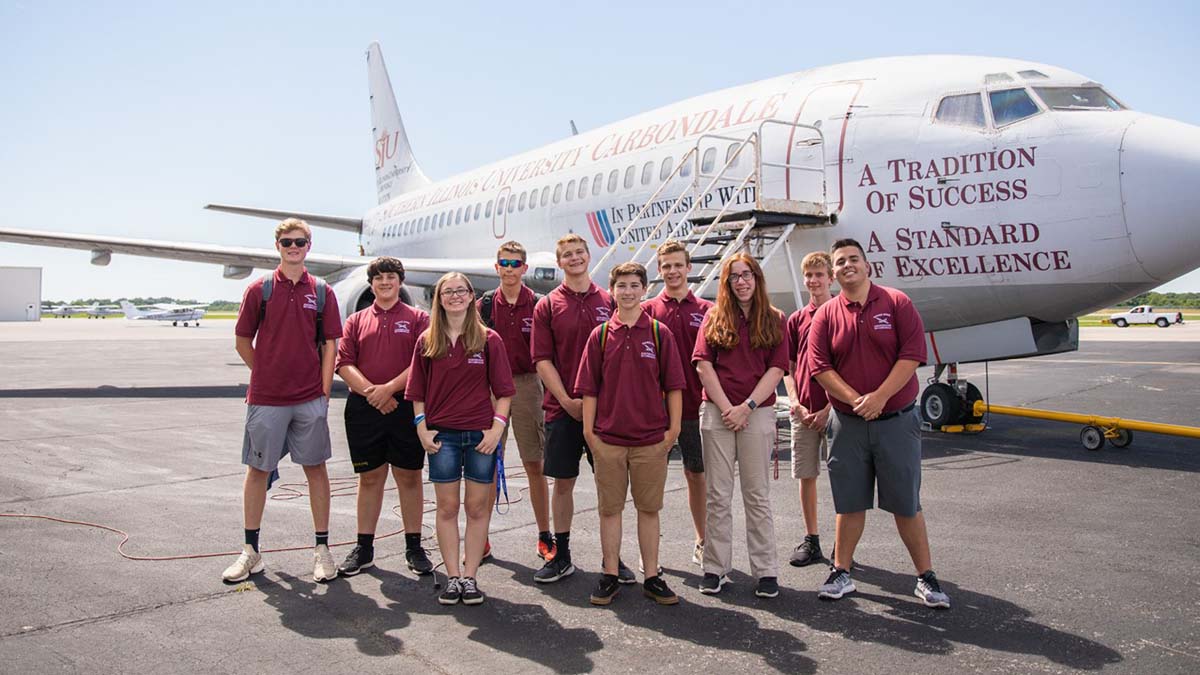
x=712 y=385
x=554 y=384
x=836 y=387
x=491 y=437
x=589 y=420
x=789 y=383
x=869 y=406
x=738 y=416
x=245 y=349
x=674 y=415
x=328 y=358
x=423 y=431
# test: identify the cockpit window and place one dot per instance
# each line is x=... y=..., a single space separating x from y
x=993 y=78
x=965 y=110
x=1076 y=98
x=1032 y=74
x=1011 y=105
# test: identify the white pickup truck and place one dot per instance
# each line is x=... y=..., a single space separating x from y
x=1145 y=314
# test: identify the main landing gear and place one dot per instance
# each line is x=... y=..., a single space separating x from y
x=950 y=403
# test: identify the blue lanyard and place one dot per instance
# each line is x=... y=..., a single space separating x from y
x=501 y=482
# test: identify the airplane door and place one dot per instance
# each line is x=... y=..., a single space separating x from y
x=500 y=214
x=829 y=108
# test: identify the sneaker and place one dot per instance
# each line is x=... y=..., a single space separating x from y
x=249 y=562
x=624 y=574
x=837 y=585
x=360 y=558
x=555 y=569
x=452 y=593
x=767 y=587
x=487 y=553
x=656 y=589
x=471 y=595
x=546 y=550
x=606 y=590
x=930 y=591
x=807 y=553
x=711 y=584
x=324 y=568
x=698 y=554
x=418 y=561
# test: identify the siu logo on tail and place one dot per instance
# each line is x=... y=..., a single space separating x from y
x=602 y=230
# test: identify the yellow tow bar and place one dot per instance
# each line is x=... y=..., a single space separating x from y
x=1096 y=428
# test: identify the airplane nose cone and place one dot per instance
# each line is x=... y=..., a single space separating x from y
x=1160 y=188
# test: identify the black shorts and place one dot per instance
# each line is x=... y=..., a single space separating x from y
x=376 y=439
x=564 y=447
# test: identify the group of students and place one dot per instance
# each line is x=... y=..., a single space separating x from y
x=586 y=372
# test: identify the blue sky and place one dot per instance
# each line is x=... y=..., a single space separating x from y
x=125 y=118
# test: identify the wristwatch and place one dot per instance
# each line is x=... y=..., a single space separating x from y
x=751 y=404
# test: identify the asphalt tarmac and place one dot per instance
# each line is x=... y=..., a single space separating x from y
x=1056 y=559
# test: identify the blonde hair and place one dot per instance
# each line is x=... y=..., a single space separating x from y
x=817 y=259
x=437 y=341
x=569 y=239
x=290 y=225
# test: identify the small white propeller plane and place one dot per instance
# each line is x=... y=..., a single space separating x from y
x=176 y=314
x=1005 y=197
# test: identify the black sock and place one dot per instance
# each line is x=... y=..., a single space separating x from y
x=545 y=538
x=562 y=540
x=323 y=538
x=814 y=538
x=252 y=539
x=412 y=540
x=366 y=541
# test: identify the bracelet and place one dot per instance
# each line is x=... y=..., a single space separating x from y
x=501 y=419
x=418 y=419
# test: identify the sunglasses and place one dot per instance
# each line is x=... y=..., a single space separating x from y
x=300 y=242
x=511 y=263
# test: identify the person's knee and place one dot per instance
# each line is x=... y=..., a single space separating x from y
x=533 y=470
x=373 y=478
x=256 y=476
x=316 y=472
x=448 y=509
x=564 y=487
x=407 y=478
x=477 y=508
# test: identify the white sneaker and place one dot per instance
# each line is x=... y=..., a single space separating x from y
x=698 y=554
x=323 y=567
x=249 y=562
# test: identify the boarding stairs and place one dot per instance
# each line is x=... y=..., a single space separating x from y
x=751 y=206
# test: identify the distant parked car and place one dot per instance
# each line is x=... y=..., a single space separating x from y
x=1145 y=314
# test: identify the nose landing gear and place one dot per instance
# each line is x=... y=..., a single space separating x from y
x=950 y=403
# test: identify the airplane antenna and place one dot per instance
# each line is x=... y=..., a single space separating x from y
x=574 y=130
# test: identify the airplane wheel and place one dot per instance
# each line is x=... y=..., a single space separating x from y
x=1123 y=439
x=940 y=405
x=1120 y=323
x=1091 y=438
x=185 y=324
x=174 y=323
x=1162 y=322
x=968 y=413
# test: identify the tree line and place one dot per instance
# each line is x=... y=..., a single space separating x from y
x=1175 y=300
x=214 y=306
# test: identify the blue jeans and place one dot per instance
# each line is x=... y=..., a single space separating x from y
x=459 y=459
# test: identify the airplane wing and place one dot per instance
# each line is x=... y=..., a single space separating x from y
x=314 y=219
x=319 y=264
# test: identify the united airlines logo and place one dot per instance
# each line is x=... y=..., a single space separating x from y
x=602 y=230
x=883 y=321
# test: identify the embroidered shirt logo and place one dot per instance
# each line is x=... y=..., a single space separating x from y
x=475 y=359
x=310 y=301
x=527 y=324
x=883 y=321
x=697 y=319
x=603 y=314
x=648 y=349
x=402 y=327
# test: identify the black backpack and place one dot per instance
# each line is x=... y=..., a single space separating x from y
x=488 y=299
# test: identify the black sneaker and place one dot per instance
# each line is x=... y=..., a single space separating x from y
x=606 y=590
x=711 y=584
x=768 y=587
x=359 y=559
x=471 y=595
x=556 y=569
x=452 y=593
x=807 y=553
x=624 y=574
x=930 y=591
x=837 y=585
x=418 y=561
x=656 y=589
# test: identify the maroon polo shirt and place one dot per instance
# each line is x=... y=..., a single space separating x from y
x=862 y=342
x=287 y=366
x=379 y=342
x=684 y=318
x=628 y=381
x=808 y=393
x=739 y=369
x=458 y=387
x=514 y=323
x=562 y=322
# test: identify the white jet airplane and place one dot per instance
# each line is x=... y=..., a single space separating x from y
x=1005 y=197
x=176 y=314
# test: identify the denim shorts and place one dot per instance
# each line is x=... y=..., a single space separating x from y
x=459 y=459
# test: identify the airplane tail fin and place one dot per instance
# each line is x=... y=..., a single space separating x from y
x=131 y=312
x=396 y=171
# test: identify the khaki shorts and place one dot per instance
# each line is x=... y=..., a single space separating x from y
x=809 y=449
x=525 y=418
x=619 y=470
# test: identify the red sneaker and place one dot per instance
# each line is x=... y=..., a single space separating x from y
x=546 y=551
x=487 y=551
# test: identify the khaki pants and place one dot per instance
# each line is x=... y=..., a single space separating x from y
x=621 y=470
x=751 y=449
x=525 y=418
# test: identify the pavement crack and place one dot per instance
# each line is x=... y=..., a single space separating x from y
x=111 y=616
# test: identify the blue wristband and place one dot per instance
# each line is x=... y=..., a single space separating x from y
x=418 y=419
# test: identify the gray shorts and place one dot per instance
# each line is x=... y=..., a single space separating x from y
x=690 y=447
x=809 y=449
x=884 y=452
x=273 y=431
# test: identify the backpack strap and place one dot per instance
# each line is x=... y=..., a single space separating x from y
x=603 y=337
x=321 y=290
x=485 y=307
x=268 y=285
